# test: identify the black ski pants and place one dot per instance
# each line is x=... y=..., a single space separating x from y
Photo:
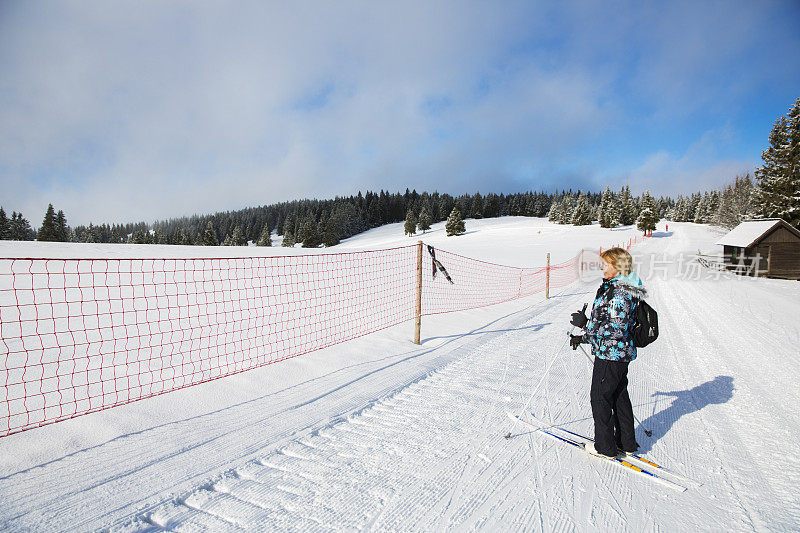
x=611 y=407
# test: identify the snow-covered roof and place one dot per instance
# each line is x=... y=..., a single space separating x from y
x=749 y=231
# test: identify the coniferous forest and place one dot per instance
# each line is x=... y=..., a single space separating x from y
x=775 y=193
x=326 y=222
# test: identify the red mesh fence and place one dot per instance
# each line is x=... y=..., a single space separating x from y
x=478 y=283
x=626 y=245
x=83 y=335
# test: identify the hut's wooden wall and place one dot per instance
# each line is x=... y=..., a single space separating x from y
x=780 y=235
x=783 y=249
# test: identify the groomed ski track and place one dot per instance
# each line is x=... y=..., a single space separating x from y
x=413 y=441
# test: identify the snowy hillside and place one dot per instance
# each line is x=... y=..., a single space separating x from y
x=378 y=433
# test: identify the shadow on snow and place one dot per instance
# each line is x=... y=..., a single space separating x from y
x=716 y=391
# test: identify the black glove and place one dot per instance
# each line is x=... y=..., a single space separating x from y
x=575 y=341
x=579 y=319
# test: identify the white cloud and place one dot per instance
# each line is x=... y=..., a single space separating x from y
x=699 y=168
x=119 y=111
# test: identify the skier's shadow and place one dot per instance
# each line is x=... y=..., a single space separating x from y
x=718 y=390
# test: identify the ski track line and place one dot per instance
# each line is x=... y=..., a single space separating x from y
x=424 y=398
x=675 y=314
x=506 y=501
x=565 y=475
x=249 y=419
x=760 y=404
x=706 y=454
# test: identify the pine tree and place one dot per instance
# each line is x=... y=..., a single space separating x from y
x=687 y=212
x=724 y=213
x=742 y=197
x=646 y=221
x=86 y=236
x=555 y=211
x=5 y=227
x=677 y=209
x=334 y=229
x=700 y=211
x=616 y=210
x=310 y=232
x=582 y=215
x=177 y=237
x=48 y=230
x=424 y=222
x=539 y=206
x=288 y=231
x=491 y=207
x=606 y=214
x=140 y=237
x=375 y=213
x=712 y=207
x=627 y=209
x=648 y=217
x=410 y=227
x=209 y=237
x=20 y=227
x=300 y=227
x=477 y=206
x=238 y=238
x=567 y=207
x=455 y=224
x=265 y=239
x=691 y=207
x=778 y=192
x=62 y=230
x=288 y=239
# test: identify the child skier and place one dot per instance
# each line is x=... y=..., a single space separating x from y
x=608 y=331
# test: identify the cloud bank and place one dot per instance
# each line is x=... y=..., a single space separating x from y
x=123 y=111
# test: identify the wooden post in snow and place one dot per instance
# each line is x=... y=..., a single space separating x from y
x=547 y=283
x=418 y=303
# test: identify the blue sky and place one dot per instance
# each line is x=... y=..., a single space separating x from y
x=126 y=111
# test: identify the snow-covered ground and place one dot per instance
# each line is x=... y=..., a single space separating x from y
x=380 y=434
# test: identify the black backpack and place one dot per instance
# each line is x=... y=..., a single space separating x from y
x=645 y=327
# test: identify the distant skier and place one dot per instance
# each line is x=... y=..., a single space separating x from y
x=608 y=331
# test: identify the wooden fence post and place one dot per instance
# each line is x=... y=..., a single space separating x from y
x=418 y=303
x=547 y=283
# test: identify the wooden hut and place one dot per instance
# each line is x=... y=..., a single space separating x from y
x=766 y=247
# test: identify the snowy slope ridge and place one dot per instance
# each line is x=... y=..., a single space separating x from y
x=380 y=434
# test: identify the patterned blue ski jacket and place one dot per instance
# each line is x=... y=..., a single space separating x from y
x=608 y=328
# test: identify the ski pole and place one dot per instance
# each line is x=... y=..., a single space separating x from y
x=646 y=431
x=536 y=389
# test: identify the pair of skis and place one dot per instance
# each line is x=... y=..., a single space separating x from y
x=579 y=441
